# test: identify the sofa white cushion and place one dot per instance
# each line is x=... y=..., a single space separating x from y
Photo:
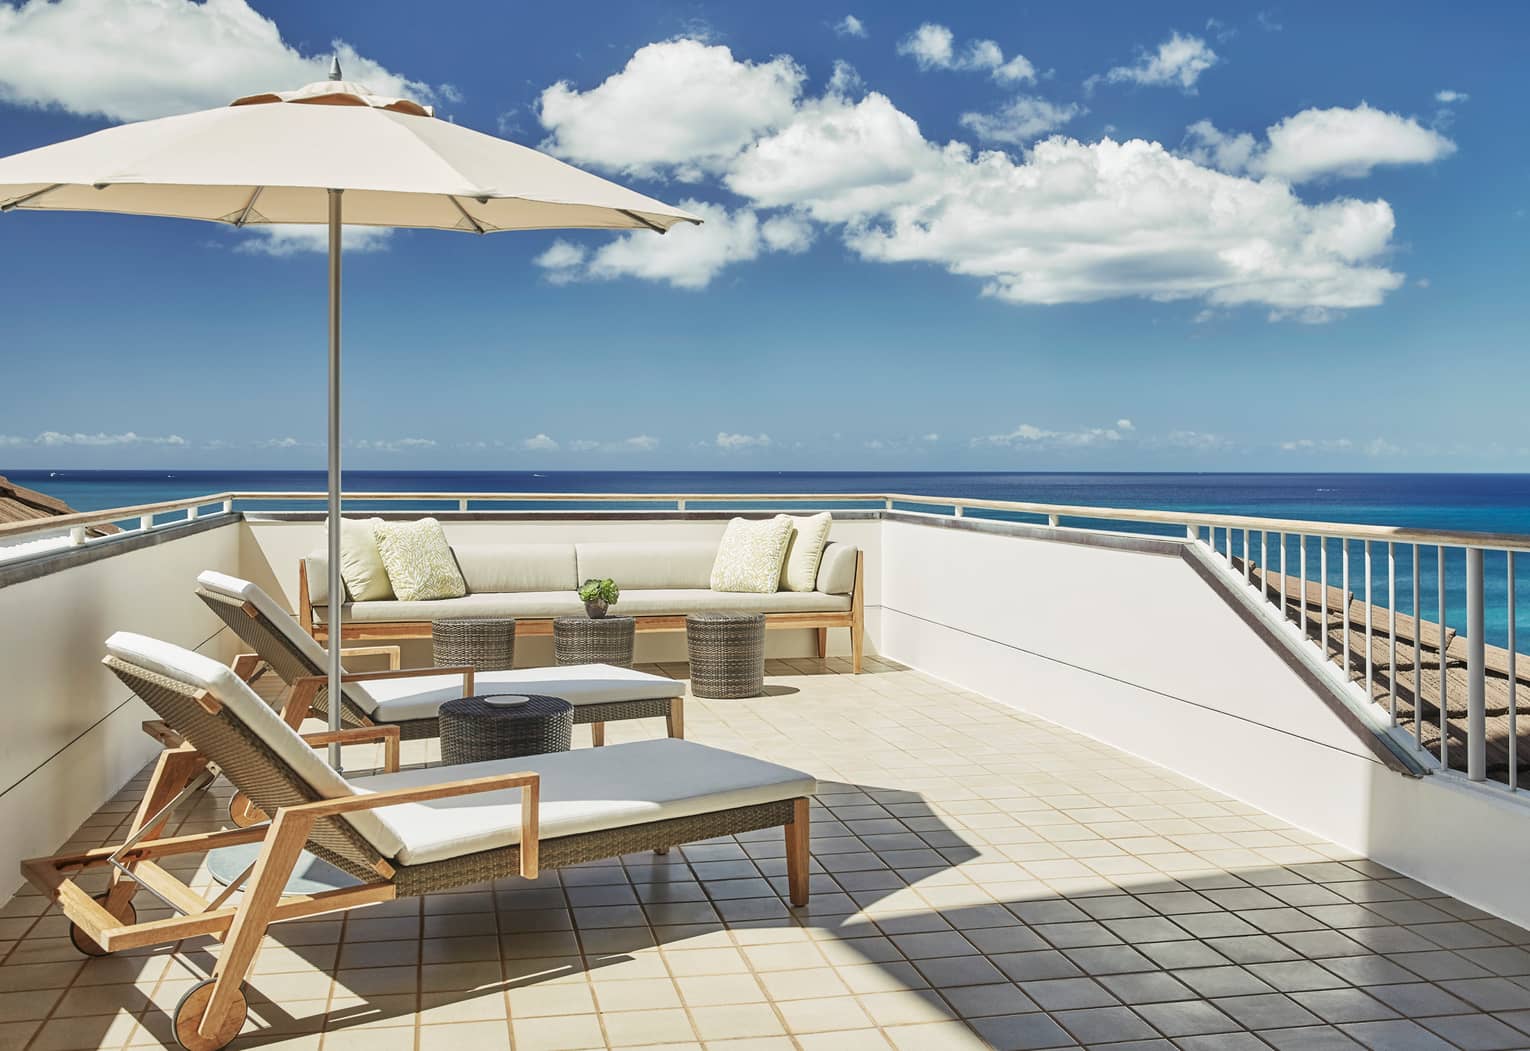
x=509 y=568
x=304 y=643
x=836 y=572
x=638 y=565
x=361 y=564
x=399 y=700
x=585 y=790
x=419 y=560
x=538 y=605
x=750 y=555
x=804 y=550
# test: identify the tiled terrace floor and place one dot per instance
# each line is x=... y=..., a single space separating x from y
x=981 y=879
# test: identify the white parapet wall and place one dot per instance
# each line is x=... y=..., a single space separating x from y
x=1136 y=649
x=72 y=733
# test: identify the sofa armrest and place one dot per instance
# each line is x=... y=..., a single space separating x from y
x=836 y=571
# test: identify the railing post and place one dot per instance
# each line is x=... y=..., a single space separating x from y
x=1053 y=520
x=146 y=522
x=887 y=504
x=1476 y=700
x=462 y=503
x=1192 y=532
x=228 y=507
x=76 y=536
x=680 y=504
x=191 y=513
x=956 y=510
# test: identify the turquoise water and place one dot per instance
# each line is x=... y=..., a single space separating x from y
x=1486 y=503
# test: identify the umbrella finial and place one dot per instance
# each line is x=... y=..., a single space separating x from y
x=334 y=69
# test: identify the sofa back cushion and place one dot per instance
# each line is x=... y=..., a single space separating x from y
x=648 y=564
x=501 y=569
x=836 y=570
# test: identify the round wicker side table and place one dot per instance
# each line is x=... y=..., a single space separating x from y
x=727 y=654
x=475 y=730
x=483 y=643
x=586 y=640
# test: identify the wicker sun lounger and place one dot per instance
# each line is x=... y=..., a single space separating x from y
x=401 y=833
x=409 y=698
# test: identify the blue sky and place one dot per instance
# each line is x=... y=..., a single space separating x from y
x=972 y=236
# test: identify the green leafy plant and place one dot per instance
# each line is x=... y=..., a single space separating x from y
x=600 y=591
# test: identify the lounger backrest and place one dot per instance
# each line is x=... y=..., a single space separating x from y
x=271 y=631
x=233 y=727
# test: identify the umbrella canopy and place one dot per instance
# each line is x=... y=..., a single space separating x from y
x=330 y=152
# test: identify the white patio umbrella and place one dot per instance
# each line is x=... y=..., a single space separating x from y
x=329 y=153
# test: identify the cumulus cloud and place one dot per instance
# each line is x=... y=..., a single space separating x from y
x=286 y=442
x=686 y=257
x=638 y=443
x=1177 y=62
x=394 y=445
x=539 y=443
x=850 y=26
x=681 y=108
x=1028 y=435
x=133 y=61
x=1449 y=97
x=730 y=442
x=1067 y=222
x=1025 y=118
x=1196 y=441
x=582 y=445
x=298 y=239
x=643 y=443
x=1336 y=142
x=54 y=439
x=933 y=46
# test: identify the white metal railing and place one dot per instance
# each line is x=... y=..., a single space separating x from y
x=1300 y=568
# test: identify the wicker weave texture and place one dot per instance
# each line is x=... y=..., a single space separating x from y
x=475 y=731
x=482 y=643
x=727 y=654
x=593 y=640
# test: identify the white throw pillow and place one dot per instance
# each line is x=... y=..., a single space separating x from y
x=361 y=564
x=804 y=550
x=419 y=560
x=750 y=555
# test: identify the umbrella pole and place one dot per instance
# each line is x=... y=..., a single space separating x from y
x=336 y=583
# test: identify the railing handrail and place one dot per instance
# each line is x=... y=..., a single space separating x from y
x=1350 y=530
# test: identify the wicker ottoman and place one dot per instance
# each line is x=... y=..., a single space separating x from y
x=727 y=654
x=473 y=730
x=586 y=640
x=482 y=643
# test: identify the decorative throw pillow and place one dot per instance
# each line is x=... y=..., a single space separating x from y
x=419 y=561
x=750 y=555
x=361 y=564
x=804 y=550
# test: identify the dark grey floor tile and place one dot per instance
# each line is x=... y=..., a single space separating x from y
x=1477 y=1032
x=1109 y=959
x=1396 y=1034
x=1309 y=1038
x=1297 y=976
x=1022 y=1032
x=1266 y=1011
x=1368 y=970
x=1256 y=948
x=1344 y=1005
x=1418 y=999
x=1491 y=994
x=1172 y=955
x=1099 y=1025
x=1439 y=965
x=1221 y=981
x=1035 y=966
x=1186 y=1018
x=1064 y=994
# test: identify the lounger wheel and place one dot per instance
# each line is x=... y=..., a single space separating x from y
x=243 y=813
x=86 y=944
x=189 y=1012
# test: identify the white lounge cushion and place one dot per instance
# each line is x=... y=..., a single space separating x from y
x=536 y=605
x=399 y=700
x=586 y=790
x=316 y=655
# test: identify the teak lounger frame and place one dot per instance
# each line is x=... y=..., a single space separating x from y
x=212 y=1012
x=853 y=618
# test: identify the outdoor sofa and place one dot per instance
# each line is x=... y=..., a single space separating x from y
x=660 y=581
x=398 y=834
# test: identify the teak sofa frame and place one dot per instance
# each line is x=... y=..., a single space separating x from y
x=854 y=618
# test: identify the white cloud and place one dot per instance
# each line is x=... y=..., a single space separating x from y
x=1028 y=435
x=1178 y=61
x=730 y=442
x=53 y=439
x=850 y=26
x=686 y=257
x=395 y=445
x=1449 y=97
x=539 y=443
x=582 y=445
x=638 y=443
x=932 y=437
x=642 y=443
x=1022 y=120
x=844 y=80
x=302 y=238
x=1125 y=425
x=1199 y=441
x=1317 y=445
x=132 y=61
x=679 y=107
x=1339 y=142
x=287 y=442
x=933 y=46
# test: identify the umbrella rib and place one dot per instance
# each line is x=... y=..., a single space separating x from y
x=24 y=198
x=638 y=218
x=477 y=226
x=249 y=206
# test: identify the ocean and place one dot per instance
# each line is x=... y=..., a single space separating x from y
x=1480 y=502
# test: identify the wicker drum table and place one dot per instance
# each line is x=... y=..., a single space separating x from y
x=727 y=654
x=482 y=643
x=593 y=640
x=477 y=729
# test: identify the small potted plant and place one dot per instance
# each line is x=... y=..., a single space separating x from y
x=598 y=596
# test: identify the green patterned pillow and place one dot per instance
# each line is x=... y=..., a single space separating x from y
x=419 y=561
x=750 y=555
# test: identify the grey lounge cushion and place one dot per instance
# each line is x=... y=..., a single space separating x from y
x=399 y=700
x=586 y=790
x=536 y=605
